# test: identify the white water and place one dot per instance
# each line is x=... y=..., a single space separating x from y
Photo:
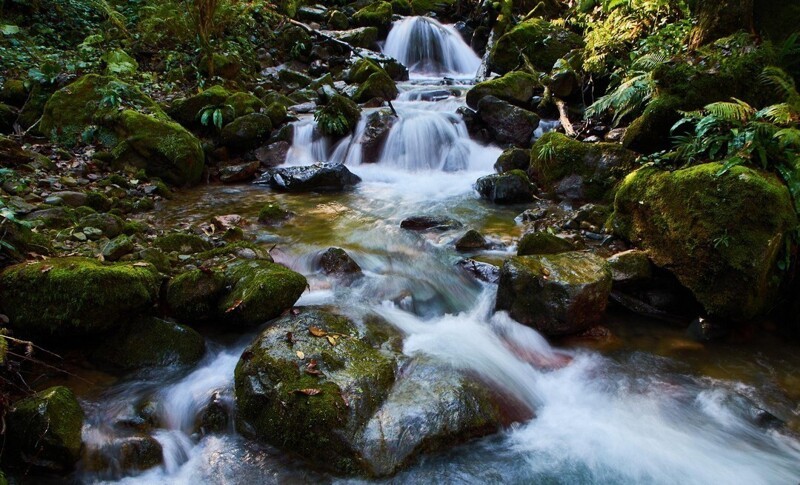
x=598 y=420
x=429 y=48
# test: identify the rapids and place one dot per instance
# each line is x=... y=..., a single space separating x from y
x=627 y=416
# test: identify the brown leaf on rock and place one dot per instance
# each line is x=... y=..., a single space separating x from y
x=308 y=392
x=317 y=332
x=233 y=307
x=331 y=340
x=311 y=368
x=46 y=269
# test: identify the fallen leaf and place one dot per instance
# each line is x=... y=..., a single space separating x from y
x=308 y=392
x=317 y=332
x=234 y=306
x=300 y=355
x=311 y=368
x=45 y=269
x=331 y=340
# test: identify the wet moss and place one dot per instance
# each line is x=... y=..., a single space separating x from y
x=378 y=85
x=245 y=104
x=277 y=113
x=376 y=14
x=194 y=295
x=542 y=243
x=339 y=117
x=516 y=87
x=721 y=235
x=235 y=248
x=540 y=41
x=182 y=243
x=75 y=296
x=260 y=291
x=273 y=213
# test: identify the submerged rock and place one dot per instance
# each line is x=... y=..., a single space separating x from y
x=558 y=294
x=44 y=430
x=335 y=261
x=429 y=223
x=320 y=177
x=121 y=456
x=471 y=241
x=508 y=188
x=721 y=234
x=379 y=124
x=74 y=297
x=481 y=271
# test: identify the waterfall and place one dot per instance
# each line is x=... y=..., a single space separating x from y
x=427 y=47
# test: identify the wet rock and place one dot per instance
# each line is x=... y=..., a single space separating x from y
x=272 y=213
x=508 y=188
x=630 y=267
x=300 y=393
x=73 y=297
x=704 y=330
x=379 y=124
x=117 y=248
x=335 y=261
x=260 y=291
x=708 y=230
x=216 y=416
x=339 y=117
x=542 y=43
x=150 y=342
x=481 y=271
x=365 y=37
x=433 y=406
x=339 y=21
x=182 y=243
x=55 y=218
x=246 y=132
x=194 y=295
x=507 y=124
x=243 y=172
x=378 y=85
x=513 y=159
x=375 y=14
x=516 y=87
x=320 y=177
x=273 y=154
x=44 y=430
x=579 y=171
x=557 y=294
x=471 y=241
x=430 y=223
x=537 y=243
x=121 y=456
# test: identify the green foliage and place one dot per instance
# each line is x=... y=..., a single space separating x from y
x=214 y=115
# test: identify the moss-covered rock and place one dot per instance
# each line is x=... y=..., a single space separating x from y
x=75 y=296
x=594 y=169
x=364 y=37
x=516 y=87
x=425 y=7
x=8 y=116
x=277 y=113
x=535 y=243
x=181 y=242
x=376 y=14
x=186 y=111
x=117 y=248
x=247 y=131
x=150 y=342
x=472 y=240
x=512 y=187
x=273 y=213
x=632 y=266
x=44 y=430
x=309 y=396
x=513 y=159
x=556 y=294
x=245 y=104
x=194 y=295
x=721 y=235
x=260 y=291
x=378 y=85
x=339 y=117
x=542 y=42
x=338 y=20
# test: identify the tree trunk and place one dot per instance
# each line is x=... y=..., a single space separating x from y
x=720 y=18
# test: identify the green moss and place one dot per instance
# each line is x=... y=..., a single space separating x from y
x=355 y=378
x=650 y=132
x=234 y=249
x=361 y=70
x=273 y=213
x=273 y=97
x=542 y=243
x=601 y=165
x=339 y=117
x=516 y=87
x=98 y=201
x=277 y=113
x=721 y=235
x=185 y=111
x=150 y=342
x=182 y=243
x=401 y=7
x=246 y=132
x=424 y=7
x=75 y=296
x=376 y=14
x=245 y=104
x=377 y=85
x=260 y=292
x=45 y=429
x=157 y=258
x=194 y=295
x=541 y=42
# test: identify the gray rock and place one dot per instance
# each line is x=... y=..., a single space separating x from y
x=320 y=177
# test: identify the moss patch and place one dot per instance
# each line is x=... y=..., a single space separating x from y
x=260 y=292
x=516 y=87
x=537 y=39
x=194 y=295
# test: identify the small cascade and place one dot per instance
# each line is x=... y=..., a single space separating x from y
x=308 y=144
x=429 y=48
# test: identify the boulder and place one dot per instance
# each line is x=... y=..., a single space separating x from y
x=194 y=295
x=472 y=240
x=558 y=294
x=320 y=177
x=516 y=87
x=150 y=342
x=182 y=243
x=508 y=188
x=630 y=267
x=273 y=154
x=123 y=455
x=536 y=243
x=339 y=21
x=429 y=223
x=379 y=124
x=246 y=132
x=240 y=172
x=506 y=123
x=513 y=159
x=375 y=14
x=540 y=41
x=338 y=117
x=481 y=271
x=117 y=247
x=187 y=111
x=301 y=393
x=575 y=170
x=336 y=262
x=364 y=37
x=110 y=224
x=721 y=233
x=259 y=291
x=44 y=430
x=378 y=85
x=75 y=297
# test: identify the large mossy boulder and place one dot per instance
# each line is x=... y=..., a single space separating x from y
x=194 y=295
x=649 y=132
x=516 y=87
x=576 y=170
x=150 y=342
x=378 y=85
x=339 y=117
x=536 y=243
x=376 y=14
x=75 y=297
x=246 y=132
x=557 y=294
x=721 y=233
x=132 y=126
x=540 y=41
x=44 y=430
x=507 y=124
x=512 y=187
x=260 y=291
x=308 y=395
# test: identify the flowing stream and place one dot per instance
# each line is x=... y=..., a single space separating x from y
x=632 y=415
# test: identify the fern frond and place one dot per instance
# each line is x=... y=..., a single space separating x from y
x=789 y=138
x=737 y=110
